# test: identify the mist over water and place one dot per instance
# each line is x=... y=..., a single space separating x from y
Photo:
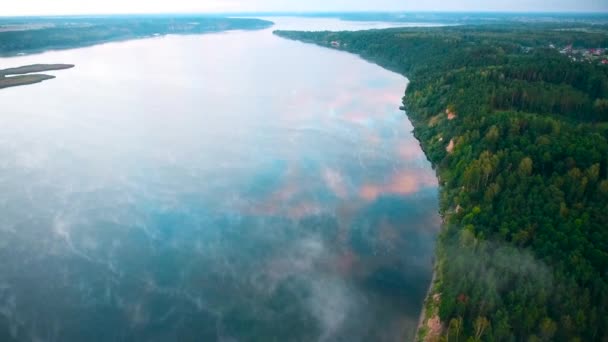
x=232 y=187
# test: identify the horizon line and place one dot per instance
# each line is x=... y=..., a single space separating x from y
x=284 y=13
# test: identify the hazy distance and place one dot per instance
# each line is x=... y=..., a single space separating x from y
x=64 y=7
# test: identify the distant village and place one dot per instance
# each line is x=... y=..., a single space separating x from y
x=589 y=55
x=337 y=44
x=594 y=55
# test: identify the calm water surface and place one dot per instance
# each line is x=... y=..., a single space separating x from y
x=231 y=187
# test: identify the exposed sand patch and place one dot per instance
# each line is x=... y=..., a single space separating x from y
x=451 y=115
x=450 y=147
x=434 y=328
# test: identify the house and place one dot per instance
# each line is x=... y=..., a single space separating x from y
x=335 y=44
x=567 y=50
x=605 y=62
x=596 y=52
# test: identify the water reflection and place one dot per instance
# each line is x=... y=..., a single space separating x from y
x=233 y=186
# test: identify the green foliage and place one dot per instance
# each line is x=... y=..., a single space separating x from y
x=524 y=254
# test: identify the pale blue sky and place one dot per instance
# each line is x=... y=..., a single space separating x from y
x=35 y=7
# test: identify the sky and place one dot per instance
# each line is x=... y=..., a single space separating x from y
x=59 y=7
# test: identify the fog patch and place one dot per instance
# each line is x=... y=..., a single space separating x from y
x=501 y=274
x=331 y=302
x=305 y=267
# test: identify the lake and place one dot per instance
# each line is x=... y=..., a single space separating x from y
x=223 y=187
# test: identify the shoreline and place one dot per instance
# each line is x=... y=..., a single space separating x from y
x=422 y=318
x=428 y=298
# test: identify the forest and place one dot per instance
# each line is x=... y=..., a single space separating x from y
x=29 y=35
x=518 y=134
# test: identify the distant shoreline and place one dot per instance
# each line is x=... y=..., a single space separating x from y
x=37 y=35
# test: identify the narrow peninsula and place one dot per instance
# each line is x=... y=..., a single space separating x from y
x=25 y=75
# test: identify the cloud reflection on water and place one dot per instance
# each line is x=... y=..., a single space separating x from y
x=280 y=196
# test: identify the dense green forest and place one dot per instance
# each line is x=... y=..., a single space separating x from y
x=27 y=35
x=518 y=133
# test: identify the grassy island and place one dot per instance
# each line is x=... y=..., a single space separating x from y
x=6 y=82
x=515 y=120
x=27 y=69
x=24 y=76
